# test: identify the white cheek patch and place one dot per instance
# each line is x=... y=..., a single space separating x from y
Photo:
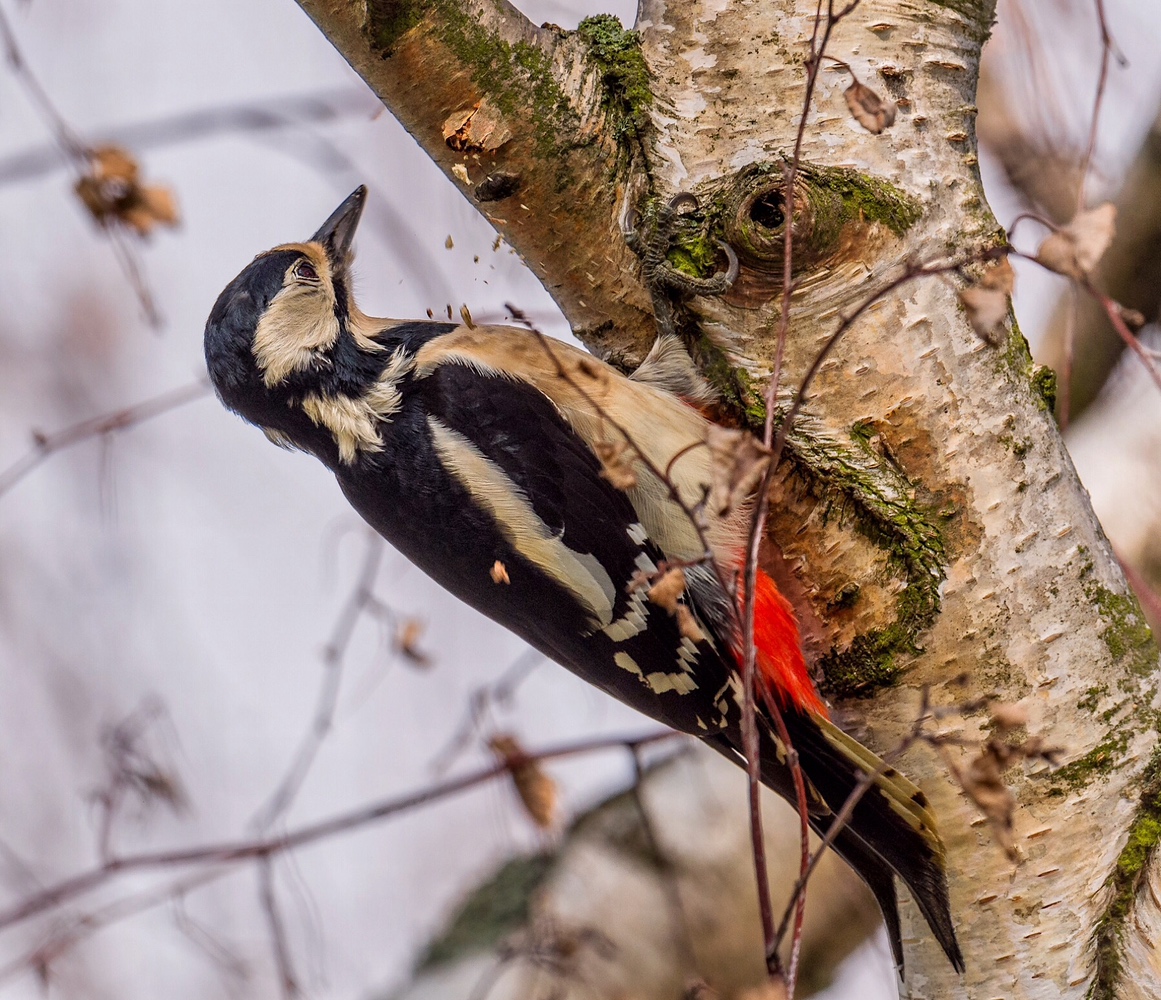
x=579 y=573
x=299 y=322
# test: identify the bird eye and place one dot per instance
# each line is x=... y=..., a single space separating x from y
x=304 y=271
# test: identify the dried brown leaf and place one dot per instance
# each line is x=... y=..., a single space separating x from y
x=112 y=164
x=1008 y=717
x=983 y=781
x=986 y=302
x=617 y=463
x=112 y=193
x=500 y=572
x=738 y=460
x=537 y=791
x=668 y=589
x=407 y=638
x=868 y=108
x=1077 y=248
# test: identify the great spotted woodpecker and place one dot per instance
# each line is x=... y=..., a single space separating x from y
x=482 y=453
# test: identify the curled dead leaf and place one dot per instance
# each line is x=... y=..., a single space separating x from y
x=1075 y=249
x=868 y=108
x=986 y=302
x=617 y=463
x=500 y=573
x=537 y=791
x=407 y=638
x=1008 y=717
x=738 y=461
x=112 y=193
x=668 y=589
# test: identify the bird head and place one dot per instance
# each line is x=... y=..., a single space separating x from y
x=276 y=328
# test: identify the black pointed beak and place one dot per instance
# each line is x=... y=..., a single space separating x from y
x=338 y=231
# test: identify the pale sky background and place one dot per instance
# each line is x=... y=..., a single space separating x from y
x=189 y=561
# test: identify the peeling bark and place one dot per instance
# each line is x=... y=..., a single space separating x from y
x=928 y=522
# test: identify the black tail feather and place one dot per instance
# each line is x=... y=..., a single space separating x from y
x=890 y=831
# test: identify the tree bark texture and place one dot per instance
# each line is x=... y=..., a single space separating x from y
x=927 y=521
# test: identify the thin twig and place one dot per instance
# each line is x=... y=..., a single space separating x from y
x=287 y=981
x=750 y=736
x=78 y=153
x=334 y=655
x=480 y=700
x=276 y=114
x=1107 y=46
x=108 y=423
x=234 y=852
x=77 y=928
x=682 y=938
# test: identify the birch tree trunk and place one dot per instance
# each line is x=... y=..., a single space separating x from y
x=927 y=522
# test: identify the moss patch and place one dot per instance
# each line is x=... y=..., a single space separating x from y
x=517 y=78
x=1044 y=386
x=1125 y=882
x=1126 y=633
x=886 y=510
x=864 y=198
x=616 y=52
x=496 y=909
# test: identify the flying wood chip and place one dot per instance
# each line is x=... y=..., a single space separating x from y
x=868 y=108
x=537 y=791
x=500 y=573
x=1077 y=248
x=407 y=642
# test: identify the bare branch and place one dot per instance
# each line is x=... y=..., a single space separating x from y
x=264 y=847
x=45 y=445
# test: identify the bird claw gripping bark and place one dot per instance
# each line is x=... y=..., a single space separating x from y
x=651 y=237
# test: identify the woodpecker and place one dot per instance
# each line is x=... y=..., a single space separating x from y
x=483 y=455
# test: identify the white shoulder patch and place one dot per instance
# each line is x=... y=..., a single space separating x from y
x=578 y=572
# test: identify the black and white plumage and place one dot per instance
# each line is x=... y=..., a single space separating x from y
x=468 y=448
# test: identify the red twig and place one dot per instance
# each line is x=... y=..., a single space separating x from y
x=750 y=737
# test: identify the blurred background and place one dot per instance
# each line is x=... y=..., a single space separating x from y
x=182 y=605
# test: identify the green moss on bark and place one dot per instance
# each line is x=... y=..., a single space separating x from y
x=1125 y=883
x=884 y=506
x=517 y=78
x=626 y=94
x=492 y=912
